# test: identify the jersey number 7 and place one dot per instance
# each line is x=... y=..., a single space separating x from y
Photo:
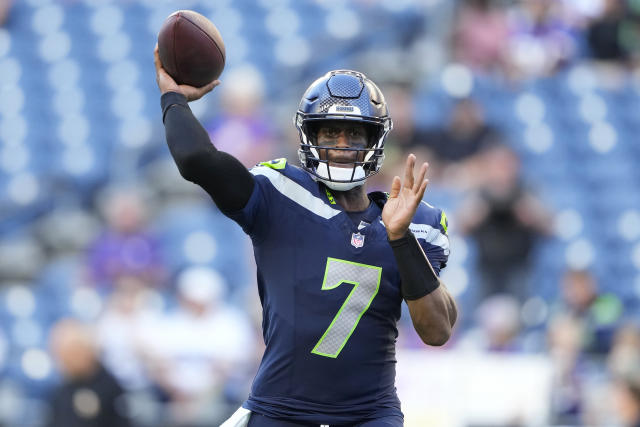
x=366 y=281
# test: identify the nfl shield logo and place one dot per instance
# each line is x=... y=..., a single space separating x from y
x=357 y=240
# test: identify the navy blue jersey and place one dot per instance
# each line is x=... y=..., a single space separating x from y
x=330 y=293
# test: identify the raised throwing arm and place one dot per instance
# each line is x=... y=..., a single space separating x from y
x=221 y=175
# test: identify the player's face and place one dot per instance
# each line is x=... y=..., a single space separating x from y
x=341 y=135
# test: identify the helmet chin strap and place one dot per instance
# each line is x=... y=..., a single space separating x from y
x=340 y=174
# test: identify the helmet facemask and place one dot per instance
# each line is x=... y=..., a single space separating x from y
x=315 y=157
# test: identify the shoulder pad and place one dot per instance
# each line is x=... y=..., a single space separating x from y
x=428 y=214
x=275 y=163
x=444 y=222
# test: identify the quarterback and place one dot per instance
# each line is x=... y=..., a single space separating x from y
x=334 y=263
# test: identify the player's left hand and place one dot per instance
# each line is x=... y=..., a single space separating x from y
x=404 y=199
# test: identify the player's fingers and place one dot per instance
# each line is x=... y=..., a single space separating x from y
x=408 y=171
x=208 y=88
x=194 y=93
x=163 y=78
x=202 y=91
x=161 y=73
x=395 y=187
x=421 y=175
x=156 y=58
x=422 y=189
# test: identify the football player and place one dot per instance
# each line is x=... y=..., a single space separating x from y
x=334 y=262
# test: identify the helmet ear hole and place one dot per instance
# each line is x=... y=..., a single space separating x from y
x=311 y=130
x=374 y=132
x=306 y=157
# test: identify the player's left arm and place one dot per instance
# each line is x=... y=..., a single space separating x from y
x=433 y=310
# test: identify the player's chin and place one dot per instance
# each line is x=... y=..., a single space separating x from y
x=342 y=163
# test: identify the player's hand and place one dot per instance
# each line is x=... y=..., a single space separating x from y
x=404 y=199
x=167 y=84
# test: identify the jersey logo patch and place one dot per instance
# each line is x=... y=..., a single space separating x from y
x=357 y=240
x=330 y=196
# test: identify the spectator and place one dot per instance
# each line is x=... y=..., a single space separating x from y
x=126 y=247
x=596 y=314
x=5 y=8
x=627 y=399
x=624 y=356
x=540 y=42
x=564 y=337
x=89 y=395
x=623 y=362
x=480 y=35
x=578 y=14
x=126 y=330
x=504 y=219
x=497 y=326
x=466 y=133
x=206 y=350
x=580 y=335
x=456 y=147
x=242 y=129
x=579 y=291
x=605 y=35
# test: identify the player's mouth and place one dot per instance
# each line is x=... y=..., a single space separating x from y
x=342 y=159
x=346 y=163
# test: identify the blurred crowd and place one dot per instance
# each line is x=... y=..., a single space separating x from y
x=151 y=334
x=535 y=38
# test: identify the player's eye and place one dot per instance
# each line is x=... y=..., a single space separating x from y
x=356 y=133
x=332 y=132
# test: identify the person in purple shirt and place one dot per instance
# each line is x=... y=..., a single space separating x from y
x=126 y=247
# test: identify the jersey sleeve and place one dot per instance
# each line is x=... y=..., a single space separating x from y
x=256 y=212
x=255 y=217
x=430 y=228
x=220 y=174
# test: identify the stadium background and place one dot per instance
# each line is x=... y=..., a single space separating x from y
x=97 y=225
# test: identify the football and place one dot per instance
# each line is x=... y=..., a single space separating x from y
x=191 y=48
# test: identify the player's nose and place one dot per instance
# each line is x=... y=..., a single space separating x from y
x=342 y=140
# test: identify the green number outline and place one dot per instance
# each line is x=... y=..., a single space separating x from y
x=326 y=287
